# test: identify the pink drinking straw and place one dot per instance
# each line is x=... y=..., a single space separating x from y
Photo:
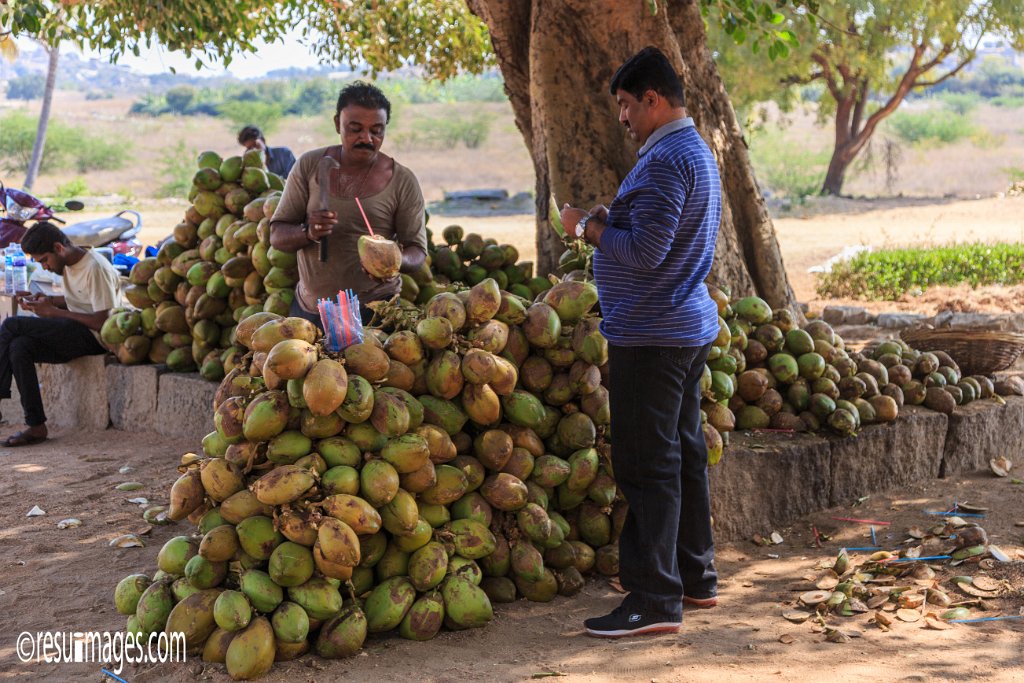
x=365 y=219
x=345 y=316
x=341 y=315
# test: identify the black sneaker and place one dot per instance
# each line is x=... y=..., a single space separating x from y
x=626 y=620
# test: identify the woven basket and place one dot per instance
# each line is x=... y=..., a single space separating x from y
x=977 y=352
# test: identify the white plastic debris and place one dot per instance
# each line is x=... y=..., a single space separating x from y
x=846 y=254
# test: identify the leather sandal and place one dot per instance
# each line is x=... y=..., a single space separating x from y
x=23 y=438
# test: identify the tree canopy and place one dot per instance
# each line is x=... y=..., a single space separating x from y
x=578 y=152
x=439 y=35
x=442 y=36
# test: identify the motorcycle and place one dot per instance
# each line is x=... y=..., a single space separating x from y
x=115 y=232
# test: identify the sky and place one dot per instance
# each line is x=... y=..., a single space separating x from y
x=271 y=56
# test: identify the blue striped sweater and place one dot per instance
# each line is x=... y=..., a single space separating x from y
x=659 y=244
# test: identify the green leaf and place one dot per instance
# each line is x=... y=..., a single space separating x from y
x=31 y=23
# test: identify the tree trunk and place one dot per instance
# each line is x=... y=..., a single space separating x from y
x=836 y=174
x=558 y=56
x=44 y=117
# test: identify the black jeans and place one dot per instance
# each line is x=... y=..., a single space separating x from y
x=25 y=341
x=661 y=467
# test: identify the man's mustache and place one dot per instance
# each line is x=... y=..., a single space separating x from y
x=364 y=145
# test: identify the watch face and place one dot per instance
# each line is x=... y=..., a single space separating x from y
x=581 y=227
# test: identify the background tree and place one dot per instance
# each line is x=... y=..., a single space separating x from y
x=27 y=87
x=179 y=98
x=556 y=59
x=869 y=55
x=48 y=23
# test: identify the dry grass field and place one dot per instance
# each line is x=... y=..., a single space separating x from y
x=502 y=161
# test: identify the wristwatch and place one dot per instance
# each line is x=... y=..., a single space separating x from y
x=581 y=226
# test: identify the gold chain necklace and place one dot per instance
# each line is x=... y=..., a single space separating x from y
x=339 y=190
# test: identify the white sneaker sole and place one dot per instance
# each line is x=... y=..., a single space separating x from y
x=662 y=627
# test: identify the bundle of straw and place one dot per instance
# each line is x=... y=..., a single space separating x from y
x=341 y=321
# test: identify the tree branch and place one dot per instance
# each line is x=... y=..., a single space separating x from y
x=858 y=110
x=968 y=58
x=826 y=70
x=802 y=80
x=905 y=85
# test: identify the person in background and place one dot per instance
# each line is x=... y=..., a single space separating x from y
x=65 y=327
x=654 y=248
x=279 y=160
x=388 y=192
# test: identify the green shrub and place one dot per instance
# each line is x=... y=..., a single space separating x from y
x=313 y=98
x=66 y=146
x=961 y=103
x=149 y=105
x=266 y=116
x=934 y=125
x=463 y=88
x=177 y=167
x=446 y=132
x=888 y=274
x=73 y=189
x=18 y=135
x=27 y=87
x=93 y=153
x=179 y=98
x=1014 y=173
x=786 y=167
x=1008 y=101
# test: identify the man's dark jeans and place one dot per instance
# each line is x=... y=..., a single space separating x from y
x=660 y=462
x=25 y=341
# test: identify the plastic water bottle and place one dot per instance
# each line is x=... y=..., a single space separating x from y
x=20 y=270
x=9 y=269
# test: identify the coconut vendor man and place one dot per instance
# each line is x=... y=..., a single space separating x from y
x=360 y=179
x=63 y=328
x=654 y=248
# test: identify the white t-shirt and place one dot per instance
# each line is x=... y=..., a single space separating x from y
x=91 y=285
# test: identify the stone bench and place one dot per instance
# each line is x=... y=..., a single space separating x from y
x=767 y=480
x=133 y=393
x=95 y=392
x=980 y=431
x=887 y=456
x=184 y=407
x=75 y=394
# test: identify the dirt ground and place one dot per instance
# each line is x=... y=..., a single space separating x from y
x=810 y=235
x=63 y=580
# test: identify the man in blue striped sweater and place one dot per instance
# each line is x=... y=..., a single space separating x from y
x=654 y=248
